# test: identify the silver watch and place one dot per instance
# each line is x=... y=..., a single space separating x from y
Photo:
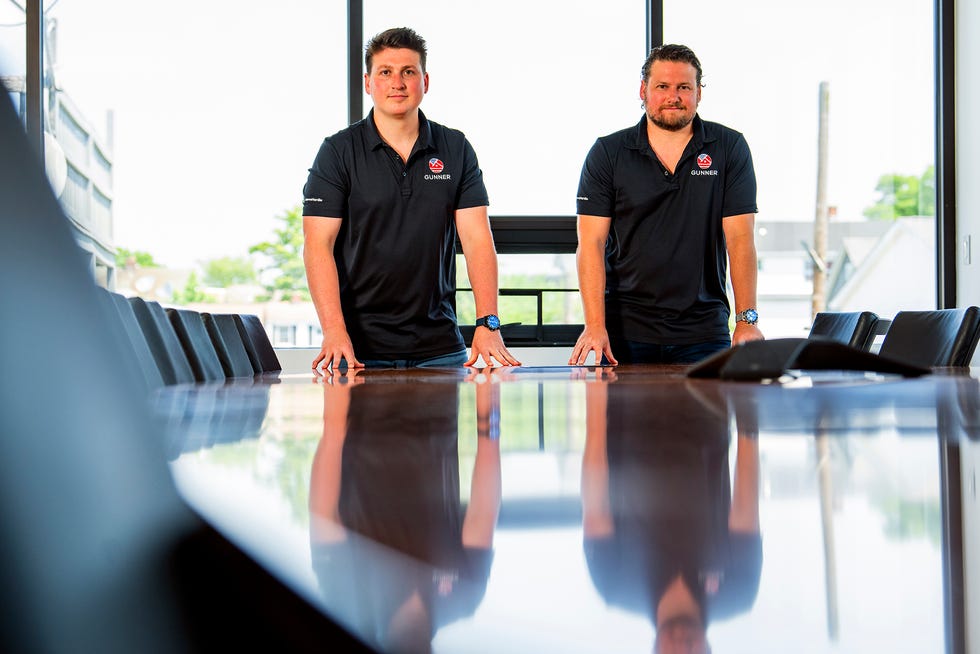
x=749 y=316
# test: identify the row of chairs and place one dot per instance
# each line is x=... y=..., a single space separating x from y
x=177 y=346
x=940 y=338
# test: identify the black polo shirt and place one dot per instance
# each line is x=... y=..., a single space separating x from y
x=666 y=260
x=396 y=249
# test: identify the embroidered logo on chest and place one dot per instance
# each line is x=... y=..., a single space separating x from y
x=437 y=167
x=704 y=166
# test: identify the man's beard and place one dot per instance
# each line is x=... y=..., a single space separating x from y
x=679 y=122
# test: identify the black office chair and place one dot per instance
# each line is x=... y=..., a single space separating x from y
x=200 y=351
x=855 y=328
x=227 y=341
x=257 y=343
x=940 y=338
x=163 y=341
x=145 y=361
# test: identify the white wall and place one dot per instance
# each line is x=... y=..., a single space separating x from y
x=967 y=66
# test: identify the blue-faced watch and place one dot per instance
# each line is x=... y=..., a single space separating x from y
x=749 y=316
x=491 y=322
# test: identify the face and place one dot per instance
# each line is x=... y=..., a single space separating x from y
x=671 y=96
x=396 y=81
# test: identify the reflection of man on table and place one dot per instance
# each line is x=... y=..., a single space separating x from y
x=386 y=475
x=665 y=534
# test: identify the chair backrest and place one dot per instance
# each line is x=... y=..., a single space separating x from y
x=193 y=335
x=853 y=328
x=163 y=341
x=228 y=343
x=257 y=343
x=133 y=337
x=944 y=337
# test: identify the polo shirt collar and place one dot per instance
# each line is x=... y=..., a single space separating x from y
x=640 y=142
x=424 y=141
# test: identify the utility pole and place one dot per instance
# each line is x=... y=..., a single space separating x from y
x=819 y=301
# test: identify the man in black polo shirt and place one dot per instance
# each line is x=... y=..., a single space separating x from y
x=382 y=206
x=660 y=206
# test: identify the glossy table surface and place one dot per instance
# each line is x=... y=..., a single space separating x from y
x=597 y=510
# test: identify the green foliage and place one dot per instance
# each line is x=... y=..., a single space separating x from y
x=142 y=259
x=908 y=519
x=285 y=253
x=904 y=195
x=228 y=271
x=192 y=292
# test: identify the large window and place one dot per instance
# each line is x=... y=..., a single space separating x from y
x=216 y=110
x=188 y=128
x=532 y=84
x=764 y=61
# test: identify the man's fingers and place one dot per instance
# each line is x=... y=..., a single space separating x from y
x=508 y=358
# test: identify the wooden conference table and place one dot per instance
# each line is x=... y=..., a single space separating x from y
x=554 y=509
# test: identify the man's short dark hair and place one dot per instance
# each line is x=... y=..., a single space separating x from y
x=671 y=52
x=396 y=37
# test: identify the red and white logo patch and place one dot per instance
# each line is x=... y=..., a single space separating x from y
x=436 y=165
x=704 y=161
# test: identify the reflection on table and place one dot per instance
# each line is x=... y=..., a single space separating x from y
x=582 y=510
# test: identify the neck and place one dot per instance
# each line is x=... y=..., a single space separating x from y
x=677 y=600
x=669 y=137
x=398 y=129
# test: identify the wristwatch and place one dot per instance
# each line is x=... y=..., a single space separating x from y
x=491 y=322
x=749 y=316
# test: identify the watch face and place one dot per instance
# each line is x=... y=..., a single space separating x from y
x=493 y=322
x=751 y=316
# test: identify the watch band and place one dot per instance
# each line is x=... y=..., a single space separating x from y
x=489 y=321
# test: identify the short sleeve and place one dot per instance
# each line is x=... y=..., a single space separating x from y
x=742 y=575
x=327 y=187
x=596 y=195
x=740 y=185
x=472 y=190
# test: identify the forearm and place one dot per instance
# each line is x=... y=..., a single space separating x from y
x=324 y=283
x=744 y=274
x=596 y=512
x=590 y=260
x=744 y=512
x=485 y=495
x=481 y=266
x=742 y=260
